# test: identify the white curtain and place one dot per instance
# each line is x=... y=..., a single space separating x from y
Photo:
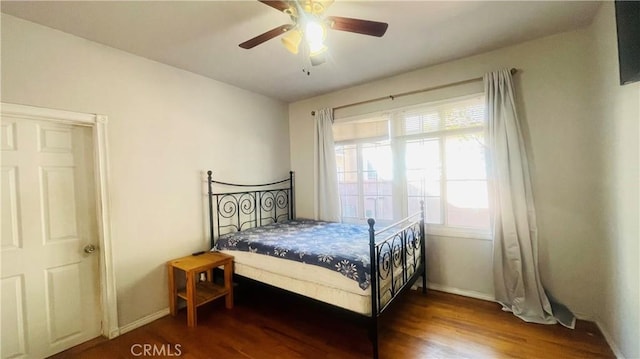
x=327 y=197
x=515 y=236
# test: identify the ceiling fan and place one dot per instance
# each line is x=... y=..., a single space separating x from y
x=310 y=24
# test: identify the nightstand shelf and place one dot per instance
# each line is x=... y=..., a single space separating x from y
x=196 y=292
x=205 y=292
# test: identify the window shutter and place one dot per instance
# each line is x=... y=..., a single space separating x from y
x=359 y=130
x=463 y=113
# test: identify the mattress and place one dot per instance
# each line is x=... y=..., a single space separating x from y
x=340 y=247
x=311 y=281
x=326 y=261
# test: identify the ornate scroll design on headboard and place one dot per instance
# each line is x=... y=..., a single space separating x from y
x=239 y=210
x=275 y=202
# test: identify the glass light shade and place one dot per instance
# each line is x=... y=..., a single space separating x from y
x=292 y=40
x=314 y=32
x=317 y=7
x=318 y=58
x=317 y=48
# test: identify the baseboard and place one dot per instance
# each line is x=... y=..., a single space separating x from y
x=463 y=292
x=144 y=320
x=112 y=333
x=609 y=339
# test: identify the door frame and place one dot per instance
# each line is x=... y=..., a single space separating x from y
x=98 y=124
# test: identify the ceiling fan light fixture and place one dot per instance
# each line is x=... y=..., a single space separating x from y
x=314 y=32
x=317 y=48
x=291 y=40
x=318 y=58
x=316 y=7
x=310 y=23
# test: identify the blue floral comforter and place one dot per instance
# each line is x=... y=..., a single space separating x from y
x=337 y=246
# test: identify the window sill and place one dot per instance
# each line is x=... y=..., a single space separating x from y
x=458 y=232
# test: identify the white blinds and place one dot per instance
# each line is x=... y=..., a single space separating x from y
x=375 y=128
x=465 y=113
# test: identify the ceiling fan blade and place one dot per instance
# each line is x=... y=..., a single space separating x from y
x=266 y=36
x=278 y=5
x=365 y=27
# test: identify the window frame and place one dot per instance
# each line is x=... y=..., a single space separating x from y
x=400 y=198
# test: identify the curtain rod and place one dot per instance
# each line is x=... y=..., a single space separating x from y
x=393 y=97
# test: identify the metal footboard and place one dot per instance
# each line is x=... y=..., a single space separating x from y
x=397 y=260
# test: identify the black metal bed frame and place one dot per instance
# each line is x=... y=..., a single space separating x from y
x=271 y=202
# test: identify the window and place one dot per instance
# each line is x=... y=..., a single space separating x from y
x=365 y=180
x=433 y=153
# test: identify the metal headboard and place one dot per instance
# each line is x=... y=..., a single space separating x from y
x=263 y=204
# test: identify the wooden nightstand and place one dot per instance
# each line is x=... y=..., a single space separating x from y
x=198 y=292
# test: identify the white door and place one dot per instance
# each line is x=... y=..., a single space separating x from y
x=50 y=294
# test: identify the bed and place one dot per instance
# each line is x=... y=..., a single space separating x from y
x=350 y=266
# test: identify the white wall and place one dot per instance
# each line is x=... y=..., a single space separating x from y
x=166 y=126
x=555 y=89
x=618 y=111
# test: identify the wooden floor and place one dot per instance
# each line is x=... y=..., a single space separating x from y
x=267 y=324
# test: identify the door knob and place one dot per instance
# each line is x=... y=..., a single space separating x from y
x=89 y=248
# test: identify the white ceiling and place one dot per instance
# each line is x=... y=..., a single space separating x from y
x=203 y=36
